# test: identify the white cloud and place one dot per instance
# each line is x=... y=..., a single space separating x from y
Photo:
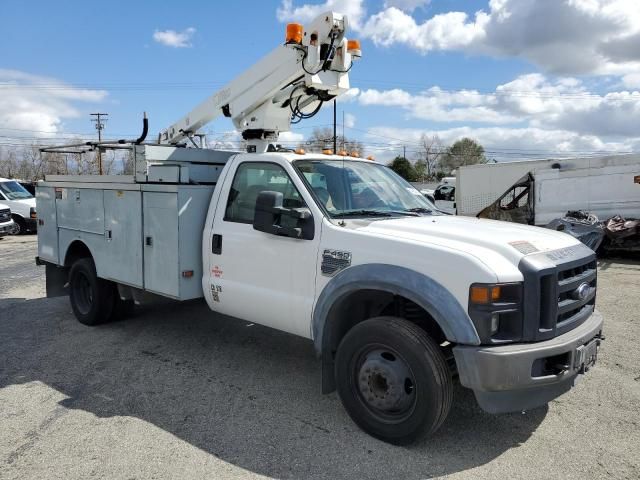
x=503 y=143
x=290 y=137
x=446 y=31
x=349 y=120
x=565 y=104
x=39 y=104
x=407 y=5
x=565 y=37
x=353 y=9
x=171 y=38
x=349 y=96
x=439 y=105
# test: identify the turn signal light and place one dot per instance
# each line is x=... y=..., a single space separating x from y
x=327 y=151
x=343 y=153
x=371 y=157
x=299 y=151
x=484 y=295
x=294 y=33
x=353 y=47
x=354 y=154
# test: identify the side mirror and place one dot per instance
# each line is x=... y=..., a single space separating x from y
x=269 y=214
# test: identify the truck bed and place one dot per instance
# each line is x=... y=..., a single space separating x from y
x=143 y=230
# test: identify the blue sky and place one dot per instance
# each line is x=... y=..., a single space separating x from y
x=524 y=77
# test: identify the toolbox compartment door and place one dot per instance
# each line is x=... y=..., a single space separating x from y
x=47 y=224
x=123 y=237
x=160 y=243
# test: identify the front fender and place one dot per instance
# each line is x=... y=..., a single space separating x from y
x=417 y=287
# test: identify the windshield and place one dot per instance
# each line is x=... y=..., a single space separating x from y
x=14 y=191
x=353 y=188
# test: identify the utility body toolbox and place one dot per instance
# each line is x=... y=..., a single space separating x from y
x=143 y=230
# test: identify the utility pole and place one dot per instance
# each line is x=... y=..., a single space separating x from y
x=99 y=121
x=342 y=129
x=404 y=151
x=335 y=139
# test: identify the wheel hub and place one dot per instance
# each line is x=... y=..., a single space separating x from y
x=385 y=382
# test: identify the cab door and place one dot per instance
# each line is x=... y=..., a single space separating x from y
x=257 y=276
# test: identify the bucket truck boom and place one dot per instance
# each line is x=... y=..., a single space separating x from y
x=286 y=86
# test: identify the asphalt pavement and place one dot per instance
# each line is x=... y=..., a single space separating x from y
x=178 y=391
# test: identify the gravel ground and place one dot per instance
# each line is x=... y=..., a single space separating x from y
x=180 y=392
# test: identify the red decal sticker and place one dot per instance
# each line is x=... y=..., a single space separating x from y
x=216 y=271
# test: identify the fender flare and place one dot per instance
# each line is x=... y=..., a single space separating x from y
x=417 y=287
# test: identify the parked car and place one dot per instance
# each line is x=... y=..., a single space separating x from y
x=445 y=192
x=6 y=222
x=22 y=205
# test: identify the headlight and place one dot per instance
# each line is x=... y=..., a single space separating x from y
x=496 y=311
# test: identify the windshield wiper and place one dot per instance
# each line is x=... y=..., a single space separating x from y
x=419 y=210
x=363 y=213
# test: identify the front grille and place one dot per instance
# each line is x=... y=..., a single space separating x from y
x=574 y=308
x=560 y=291
x=5 y=215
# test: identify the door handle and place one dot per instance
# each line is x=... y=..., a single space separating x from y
x=216 y=244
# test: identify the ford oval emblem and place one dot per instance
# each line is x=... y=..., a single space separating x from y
x=582 y=292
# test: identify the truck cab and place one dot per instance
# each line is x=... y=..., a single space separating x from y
x=500 y=301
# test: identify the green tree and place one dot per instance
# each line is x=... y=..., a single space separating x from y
x=322 y=138
x=421 y=168
x=465 y=151
x=404 y=168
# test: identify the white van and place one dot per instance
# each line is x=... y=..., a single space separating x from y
x=21 y=203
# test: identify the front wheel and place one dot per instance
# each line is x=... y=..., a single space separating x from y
x=393 y=380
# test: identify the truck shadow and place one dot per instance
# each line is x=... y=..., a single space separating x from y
x=244 y=393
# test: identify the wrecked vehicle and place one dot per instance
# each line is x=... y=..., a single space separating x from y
x=584 y=226
x=622 y=235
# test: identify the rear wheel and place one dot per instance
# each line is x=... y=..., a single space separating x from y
x=92 y=298
x=393 y=380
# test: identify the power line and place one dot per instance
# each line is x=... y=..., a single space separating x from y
x=424 y=89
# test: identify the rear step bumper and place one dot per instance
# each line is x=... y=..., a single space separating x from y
x=512 y=378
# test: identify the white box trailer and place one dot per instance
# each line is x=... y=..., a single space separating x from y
x=478 y=186
x=602 y=186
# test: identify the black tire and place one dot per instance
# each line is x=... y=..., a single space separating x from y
x=393 y=380
x=92 y=298
x=20 y=227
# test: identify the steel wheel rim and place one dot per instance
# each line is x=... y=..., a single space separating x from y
x=384 y=384
x=83 y=293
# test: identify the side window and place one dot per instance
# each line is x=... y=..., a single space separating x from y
x=249 y=181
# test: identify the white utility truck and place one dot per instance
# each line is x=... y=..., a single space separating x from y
x=398 y=300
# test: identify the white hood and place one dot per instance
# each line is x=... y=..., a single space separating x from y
x=511 y=240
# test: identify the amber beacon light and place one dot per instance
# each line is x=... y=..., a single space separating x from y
x=294 y=33
x=353 y=47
